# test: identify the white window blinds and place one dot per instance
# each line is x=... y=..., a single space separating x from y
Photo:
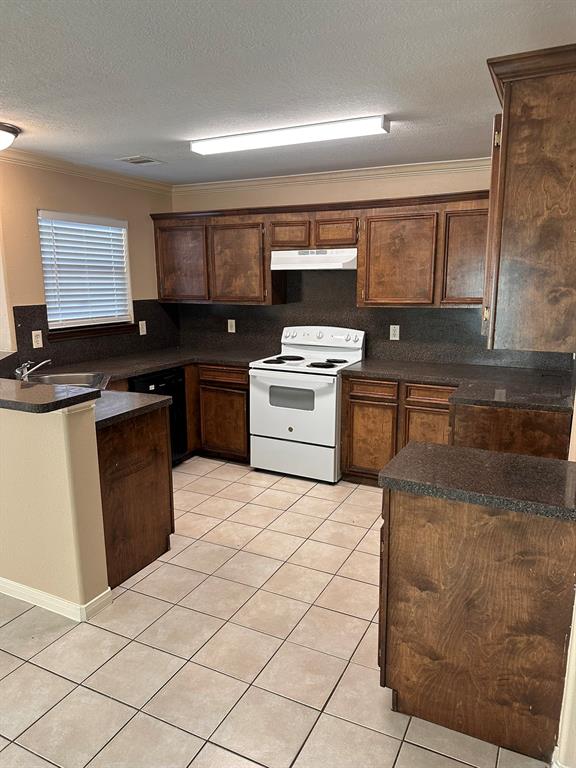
x=85 y=265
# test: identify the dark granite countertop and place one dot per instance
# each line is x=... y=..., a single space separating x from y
x=544 y=393
x=519 y=483
x=42 y=398
x=479 y=384
x=119 y=406
x=125 y=366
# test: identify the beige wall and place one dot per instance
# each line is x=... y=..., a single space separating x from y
x=25 y=188
x=364 y=184
x=51 y=521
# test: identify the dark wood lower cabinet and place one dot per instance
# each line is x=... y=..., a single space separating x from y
x=136 y=486
x=369 y=426
x=223 y=396
x=512 y=430
x=423 y=424
x=476 y=607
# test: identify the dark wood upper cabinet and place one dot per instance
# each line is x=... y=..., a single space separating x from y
x=398 y=260
x=464 y=253
x=290 y=233
x=329 y=233
x=181 y=262
x=236 y=253
x=534 y=203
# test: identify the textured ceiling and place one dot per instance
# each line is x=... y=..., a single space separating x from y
x=90 y=81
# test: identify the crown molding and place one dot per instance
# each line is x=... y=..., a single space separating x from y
x=481 y=164
x=377 y=173
x=44 y=163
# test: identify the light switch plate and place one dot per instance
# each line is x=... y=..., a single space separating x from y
x=142 y=327
x=231 y=326
x=37 y=341
x=394 y=333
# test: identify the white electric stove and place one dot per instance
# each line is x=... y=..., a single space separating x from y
x=295 y=401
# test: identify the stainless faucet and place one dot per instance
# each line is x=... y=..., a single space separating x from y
x=24 y=370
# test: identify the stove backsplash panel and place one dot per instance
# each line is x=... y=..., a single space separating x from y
x=329 y=298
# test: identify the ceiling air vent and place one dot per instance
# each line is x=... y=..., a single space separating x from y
x=139 y=160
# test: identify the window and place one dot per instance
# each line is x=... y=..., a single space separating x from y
x=85 y=265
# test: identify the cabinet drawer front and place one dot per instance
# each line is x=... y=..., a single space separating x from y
x=428 y=393
x=375 y=390
x=289 y=234
x=223 y=374
x=336 y=231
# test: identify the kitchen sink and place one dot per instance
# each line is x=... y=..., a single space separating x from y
x=92 y=380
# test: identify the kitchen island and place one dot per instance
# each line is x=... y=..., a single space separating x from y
x=477 y=589
x=85 y=492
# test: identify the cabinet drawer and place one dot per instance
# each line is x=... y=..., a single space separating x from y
x=428 y=393
x=375 y=390
x=290 y=234
x=329 y=232
x=221 y=373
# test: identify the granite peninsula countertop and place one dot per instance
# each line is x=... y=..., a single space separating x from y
x=479 y=384
x=528 y=484
x=114 y=407
x=25 y=396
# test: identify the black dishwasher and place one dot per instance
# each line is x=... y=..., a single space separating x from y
x=172 y=383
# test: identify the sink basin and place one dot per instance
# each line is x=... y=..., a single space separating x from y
x=92 y=380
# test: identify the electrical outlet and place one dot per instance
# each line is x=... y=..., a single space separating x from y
x=394 y=333
x=142 y=327
x=37 y=341
x=231 y=326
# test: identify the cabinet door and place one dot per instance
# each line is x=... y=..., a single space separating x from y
x=400 y=259
x=293 y=233
x=181 y=262
x=426 y=425
x=334 y=232
x=492 y=239
x=464 y=255
x=224 y=421
x=237 y=263
x=371 y=436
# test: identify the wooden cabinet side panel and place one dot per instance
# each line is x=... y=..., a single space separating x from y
x=536 y=291
x=134 y=457
x=512 y=430
x=192 y=407
x=479 y=607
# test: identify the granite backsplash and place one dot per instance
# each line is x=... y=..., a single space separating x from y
x=329 y=298
x=162 y=332
x=313 y=298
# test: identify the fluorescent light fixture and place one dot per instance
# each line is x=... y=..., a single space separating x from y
x=7 y=135
x=298 y=134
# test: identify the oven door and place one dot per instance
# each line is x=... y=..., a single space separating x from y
x=294 y=406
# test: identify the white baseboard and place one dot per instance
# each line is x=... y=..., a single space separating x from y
x=76 y=611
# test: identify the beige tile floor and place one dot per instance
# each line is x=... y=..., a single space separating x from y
x=251 y=643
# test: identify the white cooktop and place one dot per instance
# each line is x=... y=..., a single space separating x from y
x=317 y=349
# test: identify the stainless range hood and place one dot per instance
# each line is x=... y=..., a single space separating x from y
x=319 y=258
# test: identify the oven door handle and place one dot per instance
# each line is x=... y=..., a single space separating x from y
x=295 y=380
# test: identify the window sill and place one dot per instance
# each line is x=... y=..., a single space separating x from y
x=86 y=331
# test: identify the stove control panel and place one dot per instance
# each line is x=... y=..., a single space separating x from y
x=324 y=336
